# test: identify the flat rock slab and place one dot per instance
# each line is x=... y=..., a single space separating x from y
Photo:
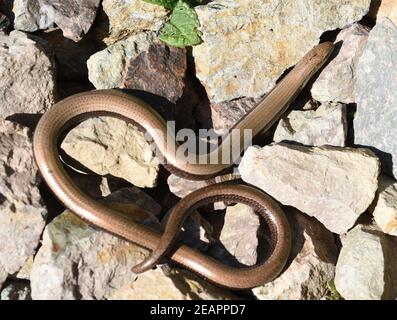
x=367 y=265
x=108 y=145
x=27 y=75
x=335 y=185
x=22 y=211
x=247 y=45
x=325 y=126
x=375 y=124
x=336 y=82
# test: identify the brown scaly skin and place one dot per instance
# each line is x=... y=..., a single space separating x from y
x=114 y=103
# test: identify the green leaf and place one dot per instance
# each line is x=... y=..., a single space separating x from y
x=169 y=4
x=181 y=31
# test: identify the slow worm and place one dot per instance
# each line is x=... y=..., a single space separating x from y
x=77 y=108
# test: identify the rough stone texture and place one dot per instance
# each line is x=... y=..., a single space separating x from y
x=172 y=284
x=311 y=264
x=74 y=17
x=226 y=114
x=375 y=123
x=335 y=185
x=108 y=145
x=107 y=68
x=367 y=265
x=128 y=17
x=182 y=187
x=16 y=291
x=385 y=207
x=161 y=71
x=388 y=8
x=239 y=236
x=22 y=212
x=79 y=262
x=336 y=82
x=27 y=81
x=31 y=15
x=4 y=23
x=248 y=45
x=325 y=126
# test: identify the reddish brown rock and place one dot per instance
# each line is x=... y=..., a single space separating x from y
x=160 y=70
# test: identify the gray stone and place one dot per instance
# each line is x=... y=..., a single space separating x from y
x=22 y=212
x=74 y=17
x=27 y=76
x=16 y=291
x=384 y=209
x=367 y=265
x=335 y=185
x=311 y=265
x=128 y=17
x=336 y=82
x=108 y=145
x=239 y=236
x=375 y=124
x=325 y=126
x=182 y=187
x=31 y=16
x=388 y=8
x=107 y=68
x=247 y=45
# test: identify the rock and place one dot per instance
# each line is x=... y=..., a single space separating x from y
x=226 y=114
x=73 y=17
x=31 y=15
x=24 y=272
x=16 y=291
x=325 y=126
x=22 y=212
x=335 y=185
x=336 y=82
x=367 y=265
x=385 y=207
x=27 y=76
x=174 y=284
x=311 y=264
x=388 y=8
x=79 y=262
x=238 y=241
x=376 y=95
x=108 y=145
x=182 y=187
x=161 y=71
x=3 y=276
x=128 y=17
x=4 y=23
x=107 y=68
x=247 y=46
